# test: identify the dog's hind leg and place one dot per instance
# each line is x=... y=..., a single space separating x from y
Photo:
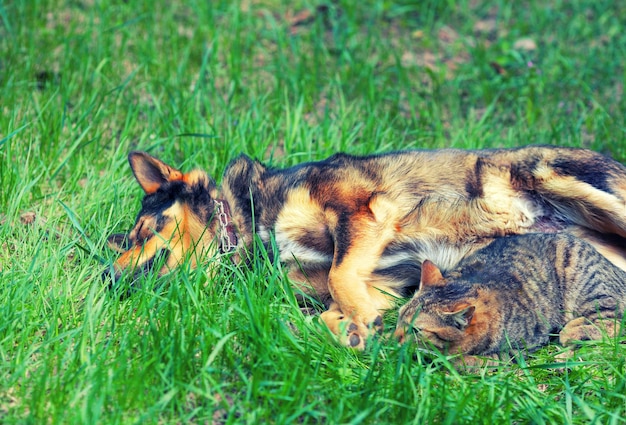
x=611 y=246
x=585 y=190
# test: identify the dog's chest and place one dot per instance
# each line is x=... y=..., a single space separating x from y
x=311 y=231
x=303 y=245
x=301 y=231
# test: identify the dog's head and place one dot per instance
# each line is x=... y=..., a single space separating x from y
x=179 y=215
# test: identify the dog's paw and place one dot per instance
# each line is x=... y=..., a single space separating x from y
x=352 y=333
x=358 y=335
x=354 y=337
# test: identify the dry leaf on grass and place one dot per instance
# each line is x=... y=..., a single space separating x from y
x=447 y=35
x=305 y=17
x=27 y=218
x=526 y=44
x=500 y=70
x=220 y=416
x=485 y=26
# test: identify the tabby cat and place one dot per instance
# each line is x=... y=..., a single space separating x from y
x=514 y=293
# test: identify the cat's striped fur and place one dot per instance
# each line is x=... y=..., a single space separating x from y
x=515 y=293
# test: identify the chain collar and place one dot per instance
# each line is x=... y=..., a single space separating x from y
x=227 y=234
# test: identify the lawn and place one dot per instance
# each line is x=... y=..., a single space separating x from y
x=84 y=82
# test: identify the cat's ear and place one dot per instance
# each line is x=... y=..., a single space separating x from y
x=462 y=317
x=151 y=172
x=431 y=275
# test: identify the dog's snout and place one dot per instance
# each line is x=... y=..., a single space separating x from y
x=110 y=275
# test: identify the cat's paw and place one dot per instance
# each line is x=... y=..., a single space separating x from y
x=583 y=329
x=476 y=364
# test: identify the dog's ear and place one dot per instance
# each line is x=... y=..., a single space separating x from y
x=151 y=172
x=119 y=242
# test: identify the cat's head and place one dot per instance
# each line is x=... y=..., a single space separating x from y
x=444 y=313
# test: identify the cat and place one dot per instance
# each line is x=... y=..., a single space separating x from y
x=513 y=294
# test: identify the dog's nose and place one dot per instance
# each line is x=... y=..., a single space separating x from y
x=110 y=275
x=118 y=282
x=106 y=274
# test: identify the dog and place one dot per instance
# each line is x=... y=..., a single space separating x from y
x=353 y=230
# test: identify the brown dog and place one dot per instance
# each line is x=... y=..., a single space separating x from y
x=354 y=231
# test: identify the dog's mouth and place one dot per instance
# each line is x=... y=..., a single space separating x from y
x=125 y=280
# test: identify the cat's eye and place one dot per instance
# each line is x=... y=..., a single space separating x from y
x=440 y=337
x=434 y=337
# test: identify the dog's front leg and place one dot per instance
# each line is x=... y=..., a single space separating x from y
x=345 y=328
x=356 y=310
x=358 y=306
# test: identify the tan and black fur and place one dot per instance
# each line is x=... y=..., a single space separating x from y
x=516 y=292
x=354 y=231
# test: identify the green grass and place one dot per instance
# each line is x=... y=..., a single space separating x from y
x=83 y=82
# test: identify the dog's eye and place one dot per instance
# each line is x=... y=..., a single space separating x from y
x=142 y=232
x=135 y=235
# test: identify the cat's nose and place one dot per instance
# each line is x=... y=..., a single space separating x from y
x=400 y=334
